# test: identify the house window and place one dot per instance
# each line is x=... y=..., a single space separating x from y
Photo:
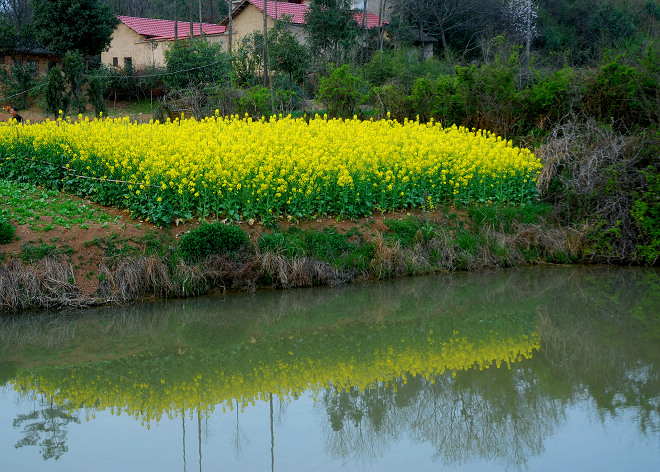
x=115 y=61
x=128 y=62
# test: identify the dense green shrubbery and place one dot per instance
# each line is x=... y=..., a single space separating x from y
x=210 y=239
x=6 y=229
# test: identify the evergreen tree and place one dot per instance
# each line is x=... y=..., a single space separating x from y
x=56 y=96
x=73 y=25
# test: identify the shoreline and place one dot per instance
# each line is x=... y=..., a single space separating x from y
x=133 y=268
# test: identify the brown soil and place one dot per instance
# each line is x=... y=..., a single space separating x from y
x=74 y=243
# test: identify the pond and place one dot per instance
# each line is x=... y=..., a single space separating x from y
x=546 y=368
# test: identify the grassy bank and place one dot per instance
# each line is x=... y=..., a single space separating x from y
x=94 y=255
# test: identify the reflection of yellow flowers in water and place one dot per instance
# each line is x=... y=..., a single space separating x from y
x=287 y=375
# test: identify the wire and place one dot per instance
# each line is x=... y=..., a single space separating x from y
x=21 y=93
x=160 y=74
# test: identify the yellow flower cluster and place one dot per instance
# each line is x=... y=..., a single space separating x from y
x=238 y=167
x=286 y=375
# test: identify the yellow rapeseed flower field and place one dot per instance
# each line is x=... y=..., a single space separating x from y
x=239 y=168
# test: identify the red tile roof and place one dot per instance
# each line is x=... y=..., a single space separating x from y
x=297 y=12
x=164 y=29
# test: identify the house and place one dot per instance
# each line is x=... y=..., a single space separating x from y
x=143 y=41
x=248 y=16
x=33 y=55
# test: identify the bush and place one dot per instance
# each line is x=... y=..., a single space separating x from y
x=190 y=65
x=6 y=230
x=211 y=238
x=56 y=96
x=341 y=92
x=256 y=102
x=646 y=211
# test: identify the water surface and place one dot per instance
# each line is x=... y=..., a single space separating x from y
x=530 y=369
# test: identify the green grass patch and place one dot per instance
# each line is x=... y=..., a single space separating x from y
x=43 y=209
x=31 y=252
x=504 y=217
x=115 y=246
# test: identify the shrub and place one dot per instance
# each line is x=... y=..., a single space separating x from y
x=211 y=238
x=256 y=102
x=646 y=211
x=56 y=96
x=341 y=92
x=6 y=230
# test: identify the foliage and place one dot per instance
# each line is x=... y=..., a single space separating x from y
x=56 y=95
x=85 y=26
x=210 y=239
x=74 y=71
x=247 y=59
x=96 y=90
x=287 y=55
x=199 y=63
x=646 y=211
x=18 y=81
x=6 y=229
x=341 y=92
x=256 y=102
x=591 y=174
x=331 y=29
x=42 y=209
x=240 y=168
x=327 y=245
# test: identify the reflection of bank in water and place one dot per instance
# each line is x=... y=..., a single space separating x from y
x=355 y=356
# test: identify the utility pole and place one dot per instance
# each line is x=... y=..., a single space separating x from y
x=266 y=43
x=190 y=9
x=231 y=24
x=201 y=31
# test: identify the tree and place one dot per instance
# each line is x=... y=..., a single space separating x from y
x=332 y=30
x=73 y=25
x=56 y=97
x=74 y=70
x=523 y=15
x=288 y=56
x=199 y=63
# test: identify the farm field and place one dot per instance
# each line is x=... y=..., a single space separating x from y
x=237 y=168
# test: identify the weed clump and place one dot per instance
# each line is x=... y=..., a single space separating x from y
x=210 y=239
x=6 y=230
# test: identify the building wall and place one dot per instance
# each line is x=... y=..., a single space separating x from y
x=126 y=43
x=42 y=63
x=249 y=20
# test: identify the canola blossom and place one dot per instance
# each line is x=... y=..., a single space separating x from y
x=147 y=391
x=239 y=168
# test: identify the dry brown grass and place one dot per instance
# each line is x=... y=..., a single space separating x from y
x=48 y=284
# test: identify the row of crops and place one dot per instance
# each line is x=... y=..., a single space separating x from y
x=235 y=167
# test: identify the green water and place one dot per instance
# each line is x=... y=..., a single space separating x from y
x=533 y=369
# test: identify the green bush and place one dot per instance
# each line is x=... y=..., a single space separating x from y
x=6 y=230
x=256 y=102
x=211 y=238
x=646 y=211
x=341 y=92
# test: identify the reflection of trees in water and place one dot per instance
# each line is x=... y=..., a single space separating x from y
x=496 y=414
x=45 y=427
